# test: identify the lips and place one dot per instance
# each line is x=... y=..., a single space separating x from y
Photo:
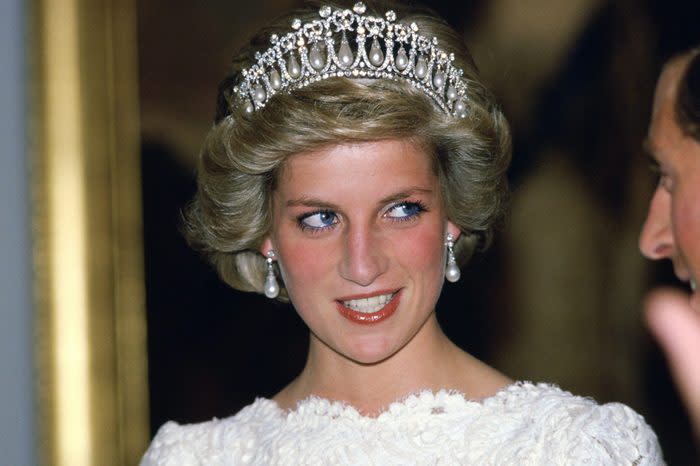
x=369 y=309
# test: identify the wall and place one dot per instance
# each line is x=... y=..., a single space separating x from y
x=17 y=413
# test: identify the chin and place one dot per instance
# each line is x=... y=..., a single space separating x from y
x=370 y=351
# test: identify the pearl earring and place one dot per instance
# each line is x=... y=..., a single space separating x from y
x=452 y=272
x=272 y=288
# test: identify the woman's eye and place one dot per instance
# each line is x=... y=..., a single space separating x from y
x=405 y=210
x=318 y=220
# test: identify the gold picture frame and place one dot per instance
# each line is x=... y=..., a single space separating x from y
x=88 y=247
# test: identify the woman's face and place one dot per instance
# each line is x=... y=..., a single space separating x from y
x=359 y=232
x=672 y=227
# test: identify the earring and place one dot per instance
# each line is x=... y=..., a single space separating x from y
x=272 y=288
x=452 y=272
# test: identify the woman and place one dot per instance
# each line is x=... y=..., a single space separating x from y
x=672 y=227
x=356 y=161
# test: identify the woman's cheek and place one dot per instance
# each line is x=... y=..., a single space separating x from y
x=421 y=249
x=304 y=262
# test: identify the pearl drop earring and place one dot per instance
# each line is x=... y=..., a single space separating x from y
x=272 y=288
x=452 y=272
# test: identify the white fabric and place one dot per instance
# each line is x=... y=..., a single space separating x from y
x=523 y=424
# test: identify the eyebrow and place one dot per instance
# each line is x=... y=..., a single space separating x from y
x=654 y=164
x=404 y=194
x=311 y=202
x=321 y=204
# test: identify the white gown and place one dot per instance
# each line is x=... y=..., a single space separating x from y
x=523 y=424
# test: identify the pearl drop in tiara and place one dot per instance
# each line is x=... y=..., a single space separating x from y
x=321 y=49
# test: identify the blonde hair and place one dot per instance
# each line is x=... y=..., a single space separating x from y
x=243 y=154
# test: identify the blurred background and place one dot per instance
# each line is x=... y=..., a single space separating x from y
x=555 y=299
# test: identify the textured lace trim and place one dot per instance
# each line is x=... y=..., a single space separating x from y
x=423 y=401
x=522 y=423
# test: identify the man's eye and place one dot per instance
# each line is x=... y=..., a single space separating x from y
x=665 y=182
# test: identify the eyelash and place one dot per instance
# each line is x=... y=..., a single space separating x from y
x=662 y=177
x=311 y=229
x=421 y=208
x=406 y=204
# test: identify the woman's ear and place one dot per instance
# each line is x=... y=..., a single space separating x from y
x=454 y=230
x=266 y=245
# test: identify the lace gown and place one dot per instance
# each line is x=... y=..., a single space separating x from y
x=523 y=424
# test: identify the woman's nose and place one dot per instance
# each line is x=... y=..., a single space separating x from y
x=363 y=256
x=656 y=239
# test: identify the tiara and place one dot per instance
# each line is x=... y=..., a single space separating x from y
x=320 y=49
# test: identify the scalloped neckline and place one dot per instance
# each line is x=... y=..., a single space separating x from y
x=422 y=399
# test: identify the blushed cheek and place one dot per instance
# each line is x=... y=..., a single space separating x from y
x=422 y=251
x=304 y=265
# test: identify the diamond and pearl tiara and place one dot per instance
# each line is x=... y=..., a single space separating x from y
x=320 y=49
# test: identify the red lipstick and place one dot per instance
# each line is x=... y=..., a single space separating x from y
x=369 y=318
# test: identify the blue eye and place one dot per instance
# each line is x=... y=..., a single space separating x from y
x=318 y=220
x=405 y=210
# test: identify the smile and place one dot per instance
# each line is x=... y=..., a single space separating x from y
x=369 y=305
x=371 y=309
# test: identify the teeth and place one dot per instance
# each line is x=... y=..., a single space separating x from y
x=369 y=305
x=693 y=285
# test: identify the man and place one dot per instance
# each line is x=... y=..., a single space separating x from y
x=672 y=227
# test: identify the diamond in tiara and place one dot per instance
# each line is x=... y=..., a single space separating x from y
x=336 y=45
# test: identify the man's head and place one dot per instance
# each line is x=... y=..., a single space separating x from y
x=672 y=227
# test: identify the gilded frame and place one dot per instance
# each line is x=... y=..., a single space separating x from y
x=86 y=208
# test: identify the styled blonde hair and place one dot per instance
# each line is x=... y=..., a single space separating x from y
x=243 y=154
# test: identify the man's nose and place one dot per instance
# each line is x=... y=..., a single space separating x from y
x=656 y=239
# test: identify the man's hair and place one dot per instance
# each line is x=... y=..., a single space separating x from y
x=688 y=101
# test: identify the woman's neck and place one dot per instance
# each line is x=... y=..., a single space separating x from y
x=430 y=361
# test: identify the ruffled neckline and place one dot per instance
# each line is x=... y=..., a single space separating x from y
x=521 y=423
x=425 y=401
